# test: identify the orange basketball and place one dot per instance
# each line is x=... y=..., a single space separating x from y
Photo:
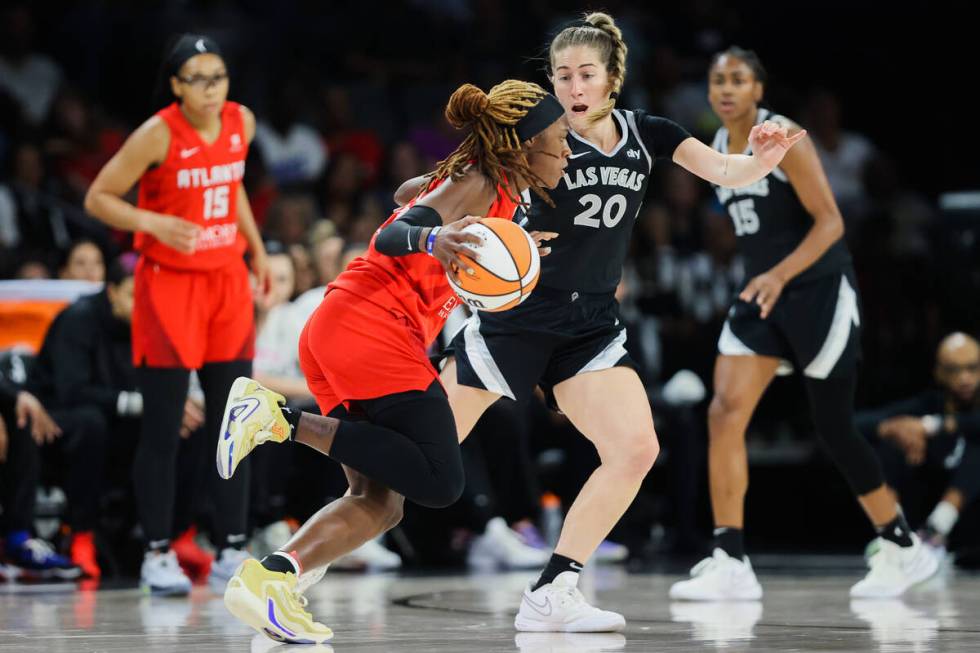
x=507 y=269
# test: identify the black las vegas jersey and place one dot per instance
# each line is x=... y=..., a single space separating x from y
x=597 y=201
x=770 y=221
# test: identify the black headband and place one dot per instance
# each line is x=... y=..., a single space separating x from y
x=187 y=46
x=539 y=117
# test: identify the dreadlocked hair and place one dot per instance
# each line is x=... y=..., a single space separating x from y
x=492 y=144
x=599 y=31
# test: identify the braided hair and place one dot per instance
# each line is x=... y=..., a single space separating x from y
x=492 y=145
x=599 y=31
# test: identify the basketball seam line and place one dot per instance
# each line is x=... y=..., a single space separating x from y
x=517 y=268
x=497 y=276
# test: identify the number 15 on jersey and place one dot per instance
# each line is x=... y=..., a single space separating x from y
x=216 y=202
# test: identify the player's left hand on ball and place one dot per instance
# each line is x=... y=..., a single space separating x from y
x=450 y=244
x=540 y=237
x=764 y=290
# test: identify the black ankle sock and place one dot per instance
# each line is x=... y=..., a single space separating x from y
x=731 y=541
x=280 y=563
x=292 y=416
x=558 y=564
x=897 y=531
x=233 y=542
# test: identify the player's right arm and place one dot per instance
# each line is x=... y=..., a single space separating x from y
x=145 y=147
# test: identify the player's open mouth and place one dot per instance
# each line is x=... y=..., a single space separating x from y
x=579 y=109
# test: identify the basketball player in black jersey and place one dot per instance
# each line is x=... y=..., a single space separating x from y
x=567 y=337
x=799 y=310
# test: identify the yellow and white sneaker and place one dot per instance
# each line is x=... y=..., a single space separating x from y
x=252 y=416
x=267 y=601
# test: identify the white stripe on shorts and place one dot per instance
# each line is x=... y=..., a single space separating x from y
x=481 y=361
x=730 y=344
x=845 y=314
x=609 y=356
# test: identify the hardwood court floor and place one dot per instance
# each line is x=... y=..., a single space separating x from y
x=805 y=608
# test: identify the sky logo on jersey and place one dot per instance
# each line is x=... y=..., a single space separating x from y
x=633 y=154
x=236 y=143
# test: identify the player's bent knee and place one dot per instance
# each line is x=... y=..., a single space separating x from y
x=394 y=510
x=441 y=494
x=633 y=456
x=725 y=406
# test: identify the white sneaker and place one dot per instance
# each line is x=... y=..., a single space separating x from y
x=719 y=578
x=225 y=565
x=894 y=569
x=252 y=416
x=500 y=546
x=560 y=607
x=161 y=575
x=371 y=555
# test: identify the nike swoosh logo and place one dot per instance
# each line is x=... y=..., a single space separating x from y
x=189 y=152
x=539 y=608
x=575 y=156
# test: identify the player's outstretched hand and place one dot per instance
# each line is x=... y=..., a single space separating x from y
x=770 y=142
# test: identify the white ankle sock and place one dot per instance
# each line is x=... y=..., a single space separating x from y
x=943 y=517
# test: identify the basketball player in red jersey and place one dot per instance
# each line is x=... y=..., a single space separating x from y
x=363 y=352
x=192 y=225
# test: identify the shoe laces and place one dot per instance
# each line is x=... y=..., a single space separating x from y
x=300 y=598
x=39 y=549
x=884 y=560
x=567 y=596
x=703 y=567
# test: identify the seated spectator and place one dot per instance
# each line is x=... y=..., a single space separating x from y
x=29 y=215
x=276 y=364
x=79 y=144
x=290 y=217
x=935 y=436
x=24 y=424
x=84 y=262
x=293 y=151
x=32 y=267
x=306 y=276
x=31 y=77
x=843 y=154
